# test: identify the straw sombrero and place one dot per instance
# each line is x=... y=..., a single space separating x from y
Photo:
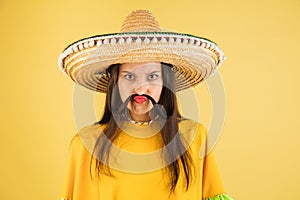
x=140 y=40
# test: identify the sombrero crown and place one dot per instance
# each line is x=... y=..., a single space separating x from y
x=140 y=40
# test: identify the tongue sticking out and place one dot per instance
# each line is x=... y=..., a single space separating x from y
x=140 y=99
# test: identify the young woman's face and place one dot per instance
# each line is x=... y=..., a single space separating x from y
x=140 y=78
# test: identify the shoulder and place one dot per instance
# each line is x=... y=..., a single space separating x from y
x=192 y=131
x=187 y=125
x=86 y=137
x=91 y=131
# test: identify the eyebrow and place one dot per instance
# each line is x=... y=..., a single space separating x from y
x=154 y=72
x=135 y=74
x=126 y=71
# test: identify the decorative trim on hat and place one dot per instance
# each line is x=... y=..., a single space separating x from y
x=140 y=37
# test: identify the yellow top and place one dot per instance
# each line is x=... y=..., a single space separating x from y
x=142 y=177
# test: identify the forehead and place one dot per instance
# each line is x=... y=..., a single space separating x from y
x=140 y=67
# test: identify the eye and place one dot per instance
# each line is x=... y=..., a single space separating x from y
x=129 y=77
x=152 y=76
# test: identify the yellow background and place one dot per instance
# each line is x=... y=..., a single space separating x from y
x=258 y=152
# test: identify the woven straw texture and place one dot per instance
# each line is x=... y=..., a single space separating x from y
x=193 y=58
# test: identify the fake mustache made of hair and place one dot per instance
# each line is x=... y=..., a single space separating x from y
x=157 y=107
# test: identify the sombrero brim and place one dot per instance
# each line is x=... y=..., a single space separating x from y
x=194 y=58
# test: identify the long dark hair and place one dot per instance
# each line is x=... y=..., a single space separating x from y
x=175 y=154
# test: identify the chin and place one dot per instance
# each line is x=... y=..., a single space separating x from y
x=139 y=109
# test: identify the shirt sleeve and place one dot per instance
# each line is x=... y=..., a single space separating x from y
x=79 y=184
x=68 y=188
x=212 y=185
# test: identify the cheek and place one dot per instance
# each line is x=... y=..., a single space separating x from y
x=123 y=91
x=156 y=92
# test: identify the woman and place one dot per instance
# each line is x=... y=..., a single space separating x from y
x=141 y=148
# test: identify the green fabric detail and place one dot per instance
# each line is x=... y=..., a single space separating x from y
x=220 y=197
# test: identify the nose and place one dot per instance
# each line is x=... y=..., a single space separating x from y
x=142 y=88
